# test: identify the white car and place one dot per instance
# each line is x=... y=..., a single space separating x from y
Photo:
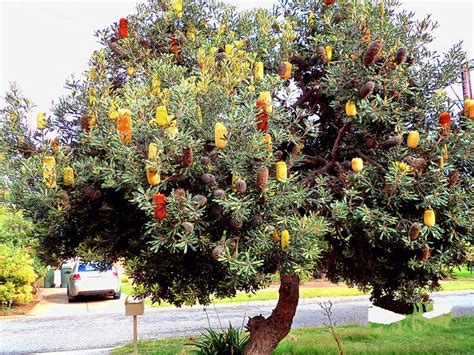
x=93 y=279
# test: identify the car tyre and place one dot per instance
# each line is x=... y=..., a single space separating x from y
x=117 y=295
x=70 y=298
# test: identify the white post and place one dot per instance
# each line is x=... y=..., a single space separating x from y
x=135 y=334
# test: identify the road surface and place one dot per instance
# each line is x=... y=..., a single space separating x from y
x=107 y=327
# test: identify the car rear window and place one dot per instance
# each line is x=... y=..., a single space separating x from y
x=93 y=266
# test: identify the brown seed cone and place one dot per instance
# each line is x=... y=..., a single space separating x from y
x=216 y=211
x=187 y=157
x=241 y=186
x=401 y=56
x=372 y=52
x=219 y=193
x=65 y=201
x=351 y=84
x=207 y=178
x=366 y=89
x=236 y=223
x=321 y=54
x=410 y=61
x=395 y=94
x=257 y=221
x=188 y=227
x=181 y=193
x=201 y=200
x=221 y=57
x=426 y=253
x=391 y=142
x=454 y=177
x=85 y=121
x=278 y=154
x=371 y=142
x=91 y=192
x=262 y=178
x=116 y=48
x=414 y=231
x=217 y=252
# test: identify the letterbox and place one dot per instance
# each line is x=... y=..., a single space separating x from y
x=134 y=306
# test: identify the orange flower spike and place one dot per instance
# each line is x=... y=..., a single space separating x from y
x=445 y=122
x=124 y=125
x=285 y=70
x=159 y=201
x=123 y=28
x=262 y=115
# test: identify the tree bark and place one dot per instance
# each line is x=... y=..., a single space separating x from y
x=265 y=334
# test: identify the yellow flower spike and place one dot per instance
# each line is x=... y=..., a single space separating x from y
x=220 y=135
x=445 y=152
x=152 y=151
x=155 y=84
x=469 y=108
x=311 y=19
x=153 y=176
x=130 y=71
x=401 y=167
x=92 y=74
x=429 y=218
x=351 y=109
x=235 y=178
x=41 y=120
x=328 y=50
x=68 y=176
x=441 y=162
x=267 y=138
x=285 y=240
x=161 y=116
x=258 y=71
x=199 y=114
x=382 y=8
x=357 y=165
x=172 y=129
x=191 y=34
x=49 y=172
x=91 y=96
x=178 y=8
x=228 y=49
x=267 y=96
x=281 y=171
x=413 y=139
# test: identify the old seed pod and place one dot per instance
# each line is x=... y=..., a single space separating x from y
x=200 y=200
x=278 y=154
x=181 y=193
x=262 y=178
x=454 y=177
x=219 y=193
x=206 y=178
x=391 y=142
x=187 y=157
x=371 y=143
x=188 y=227
x=217 y=252
x=372 y=52
x=366 y=89
x=426 y=253
x=216 y=211
x=257 y=220
x=401 y=56
x=390 y=190
x=321 y=54
x=236 y=223
x=414 y=231
x=241 y=186
x=205 y=161
x=415 y=163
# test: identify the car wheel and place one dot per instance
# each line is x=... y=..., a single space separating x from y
x=70 y=298
x=117 y=295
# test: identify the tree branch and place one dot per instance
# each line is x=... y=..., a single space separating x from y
x=369 y=160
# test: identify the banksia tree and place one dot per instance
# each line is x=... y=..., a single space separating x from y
x=281 y=143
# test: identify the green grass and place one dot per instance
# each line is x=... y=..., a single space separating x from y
x=463 y=273
x=415 y=335
x=308 y=292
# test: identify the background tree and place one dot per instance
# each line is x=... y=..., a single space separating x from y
x=211 y=149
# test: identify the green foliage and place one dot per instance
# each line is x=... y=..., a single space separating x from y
x=16 y=275
x=352 y=226
x=231 y=341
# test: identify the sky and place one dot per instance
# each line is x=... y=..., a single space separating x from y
x=44 y=42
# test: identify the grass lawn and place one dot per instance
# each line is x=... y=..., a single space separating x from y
x=463 y=273
x=308 y=292
x=415 y=335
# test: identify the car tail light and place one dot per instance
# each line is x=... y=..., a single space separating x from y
x=115 y=273
x=76 y=276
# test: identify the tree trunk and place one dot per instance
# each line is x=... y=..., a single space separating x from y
x=265 y=334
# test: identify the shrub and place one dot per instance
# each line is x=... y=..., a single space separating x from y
x=232 y=341
x=16 y=275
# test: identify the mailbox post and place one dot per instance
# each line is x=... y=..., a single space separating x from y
x=134 y=307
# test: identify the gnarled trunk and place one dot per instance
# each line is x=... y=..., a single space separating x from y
x=265 y=334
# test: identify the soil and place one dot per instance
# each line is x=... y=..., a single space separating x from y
x=18 y=310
